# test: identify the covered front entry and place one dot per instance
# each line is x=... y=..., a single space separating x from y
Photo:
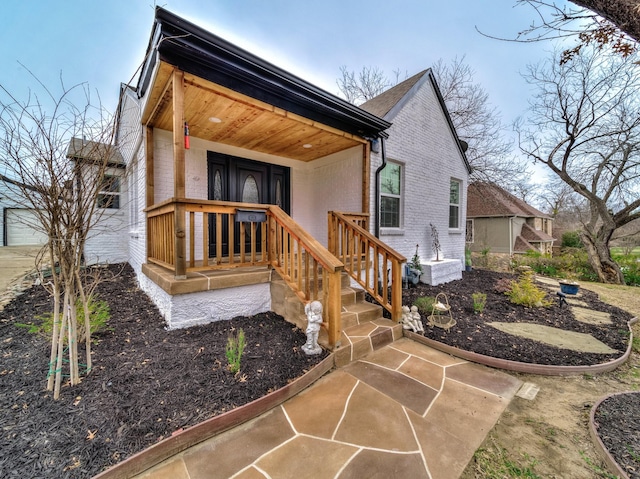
x=240 y=180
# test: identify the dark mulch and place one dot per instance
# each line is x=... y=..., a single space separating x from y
x=471 y=333
x=146 y=384
x=617 y=421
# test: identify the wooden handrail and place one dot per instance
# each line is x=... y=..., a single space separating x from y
x=373 y=264
x=307 y=267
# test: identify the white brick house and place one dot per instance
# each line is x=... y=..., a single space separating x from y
x=425 y=153
x=210 y=129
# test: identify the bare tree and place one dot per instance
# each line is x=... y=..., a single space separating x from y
x=479 y=124
x=584 y=125
x=35 y=135
x=364 y=85
x=614 y=23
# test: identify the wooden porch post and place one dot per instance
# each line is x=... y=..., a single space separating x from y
x=179 y=174
x=335 y=309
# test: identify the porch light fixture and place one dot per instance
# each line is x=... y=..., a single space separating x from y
x=215 y=119
x=307 y=145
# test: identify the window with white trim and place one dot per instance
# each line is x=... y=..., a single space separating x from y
x=454 y=204
x=109 y=195
x=391 y=195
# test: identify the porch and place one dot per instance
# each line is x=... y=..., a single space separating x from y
x=277 y=252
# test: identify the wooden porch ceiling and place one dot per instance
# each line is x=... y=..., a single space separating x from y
x=244 y=121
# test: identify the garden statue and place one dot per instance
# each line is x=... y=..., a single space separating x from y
x=417 y=320
x=408 y=320
x=313 y=310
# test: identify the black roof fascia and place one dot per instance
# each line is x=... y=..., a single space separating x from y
x=199 y=52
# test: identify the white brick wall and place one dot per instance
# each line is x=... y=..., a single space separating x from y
x=421 y=139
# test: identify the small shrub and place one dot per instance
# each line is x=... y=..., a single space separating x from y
x=526 y=293
x=630 y=268
x=99 y=314
x=415 y=261
x=425 y=304
x=479 y=302
x=571 y=239
x=234 y=350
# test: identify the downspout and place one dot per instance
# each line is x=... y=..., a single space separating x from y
x=378 y=171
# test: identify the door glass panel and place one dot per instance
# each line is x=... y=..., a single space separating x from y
x=217 y=186
x=278 y=193
x=250 y=190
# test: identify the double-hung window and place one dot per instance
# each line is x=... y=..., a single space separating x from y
x=109 y=195
x=391 y=196
x=454 y=204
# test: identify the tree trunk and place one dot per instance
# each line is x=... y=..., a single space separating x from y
x=597 y=248
x=625 y=14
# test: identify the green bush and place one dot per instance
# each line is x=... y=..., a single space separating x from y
x=99 y=314
x=630 y=268
x=573 y=263
x=425 y=304
x=526 y=293
x=571 y=239
x=479 y=302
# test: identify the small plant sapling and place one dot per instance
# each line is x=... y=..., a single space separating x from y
x=479 y=302
x=234 y=350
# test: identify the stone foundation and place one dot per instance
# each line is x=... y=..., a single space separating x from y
x=439 y=272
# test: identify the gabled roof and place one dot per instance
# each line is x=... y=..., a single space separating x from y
x=533 y=235
x=489 y=200
x=390 y=102
x=87 y=150
x=192 y=49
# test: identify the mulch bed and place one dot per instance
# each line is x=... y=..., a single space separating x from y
x=147 y=382
x=471 y=333
x=617 y=420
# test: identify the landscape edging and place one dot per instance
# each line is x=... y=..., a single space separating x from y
x=529 y=368
x=183 y=439
x=599 y=445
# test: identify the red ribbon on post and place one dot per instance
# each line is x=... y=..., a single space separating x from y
x=186 y=136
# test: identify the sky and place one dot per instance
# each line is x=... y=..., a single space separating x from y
x=102 y=43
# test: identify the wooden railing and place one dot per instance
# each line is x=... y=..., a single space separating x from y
x=373 y=264
x=307 y=267
x=178 y=239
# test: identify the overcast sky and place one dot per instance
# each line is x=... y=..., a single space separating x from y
x=103 y=42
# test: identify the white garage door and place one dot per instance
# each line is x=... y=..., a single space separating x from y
x=22 y=228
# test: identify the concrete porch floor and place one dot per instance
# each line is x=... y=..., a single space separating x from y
x=404 y=411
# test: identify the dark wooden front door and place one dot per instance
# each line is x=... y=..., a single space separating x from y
x=231 y=178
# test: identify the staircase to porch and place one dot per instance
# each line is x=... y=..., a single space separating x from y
x=364 y=329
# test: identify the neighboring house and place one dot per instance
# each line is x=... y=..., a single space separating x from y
x=502 y=223
x=238 y=170
x=19 y=223
x=105 y=239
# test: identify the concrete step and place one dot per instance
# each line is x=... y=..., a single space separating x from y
x=360 y=340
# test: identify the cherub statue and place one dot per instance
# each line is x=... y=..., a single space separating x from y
x=416 y=319
x=406 y=318
x=313 y=310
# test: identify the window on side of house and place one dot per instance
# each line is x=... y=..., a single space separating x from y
x=468 y=237
x=454 y=204
x=109 y=195
x=391 y=196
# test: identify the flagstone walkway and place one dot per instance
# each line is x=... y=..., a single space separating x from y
x=405 y=411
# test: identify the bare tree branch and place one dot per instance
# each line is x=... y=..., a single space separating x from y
x=584 y=125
